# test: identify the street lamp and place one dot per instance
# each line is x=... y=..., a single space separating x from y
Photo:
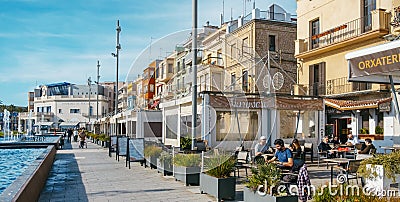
x=89 y=81
x=116 y=55
x=97 y=94
x=194 y=68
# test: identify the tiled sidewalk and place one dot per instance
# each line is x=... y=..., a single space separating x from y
x=90 y=175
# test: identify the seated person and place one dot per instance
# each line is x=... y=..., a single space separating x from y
x=283 y=155
x=368 y=147
x=261 y=147
x=335 y=140
x=296 y=149
x=324 y=146
x=351 y=141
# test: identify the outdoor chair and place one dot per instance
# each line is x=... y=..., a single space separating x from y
x=322 y=155
x=242 y=162
x=308 y=149
x=350 y=170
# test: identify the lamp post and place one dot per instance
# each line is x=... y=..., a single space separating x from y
x=194 y=70
x=89 y=81
x=97 y=94
x=116 y=55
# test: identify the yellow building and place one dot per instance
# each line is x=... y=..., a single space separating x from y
x=328 y=30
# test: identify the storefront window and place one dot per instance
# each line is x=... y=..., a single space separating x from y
x=229 y=125
x=172 y=127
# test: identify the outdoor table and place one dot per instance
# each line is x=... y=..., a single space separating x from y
x=339 y=161
x=390 y=148
x=343 y=152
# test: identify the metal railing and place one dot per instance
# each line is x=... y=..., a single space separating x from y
x=332 y=87
x=340 y=33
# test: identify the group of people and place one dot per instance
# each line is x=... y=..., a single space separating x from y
x=76 y=133
x=352 y=141
x=284 y=157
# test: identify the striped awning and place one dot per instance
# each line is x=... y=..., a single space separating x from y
x=344 y=105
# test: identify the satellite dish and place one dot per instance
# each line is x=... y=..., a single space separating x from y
x=277 y=81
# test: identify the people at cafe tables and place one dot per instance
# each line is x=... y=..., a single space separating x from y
x=351 y=140
x=335 y=140
x=367 y=148
x=261 y=147
x=296 y=149
x=325 y=147
x=283 y=155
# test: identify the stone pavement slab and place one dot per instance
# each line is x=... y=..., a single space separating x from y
x=91 y=175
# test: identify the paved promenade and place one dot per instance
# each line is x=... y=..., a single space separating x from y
x=90 y=175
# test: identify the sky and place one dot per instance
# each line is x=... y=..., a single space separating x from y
x=49 y=41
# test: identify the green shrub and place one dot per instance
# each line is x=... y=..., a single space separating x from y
x=165 y=157
x=220 y=166
x=152 y=150
x=266 y=173
x=187 y=160
x=102 y=137
x=378 y=130
x=364 y=131
x=1 y=134
x=186 y=143
x=390 y=163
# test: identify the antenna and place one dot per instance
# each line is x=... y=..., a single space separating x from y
x=223 y=12
x=231 y=14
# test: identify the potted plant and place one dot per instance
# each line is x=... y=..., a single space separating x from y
x=380 y=170
x=151 y=153
x=186 y=143
x=187 y=168
x=217 y=180
x=364 y=131
x=262 y=185
x=164 y=163
x=378 y=130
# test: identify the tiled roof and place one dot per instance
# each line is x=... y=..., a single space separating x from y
x=354 y=105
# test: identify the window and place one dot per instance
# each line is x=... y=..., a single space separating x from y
x=60 y=111
x=219 y=56
x=271 y=41
x=314 y=33
x=245 y=45
x=90 y=111
x=74 y=111
x=369 y=5
x=245 y=81
x=170 y=68
x=233 y=51
x=178 y=66
x=317 y=79
x=152 y=88
x=183 y=63
x=233 y=81
x=146 y=89
x=158 y=72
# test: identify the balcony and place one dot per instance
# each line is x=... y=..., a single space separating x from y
x=369 y=27
x=331 y=87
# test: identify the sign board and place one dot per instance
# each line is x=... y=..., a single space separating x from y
x=122 y=146
x=136 y=149
x=384 y=107
x=375 y=64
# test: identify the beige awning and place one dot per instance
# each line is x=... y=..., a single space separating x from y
x=344 y=105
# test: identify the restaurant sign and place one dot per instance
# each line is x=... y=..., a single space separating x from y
x=375 y=64
x=279 y=103
x=384 y=107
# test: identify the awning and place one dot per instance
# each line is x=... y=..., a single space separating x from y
x=44 y=123
x=274 y=102
x=375 y=64
x=69 y=123
x=354 y=105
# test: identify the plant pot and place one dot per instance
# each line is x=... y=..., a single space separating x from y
x=164 y=167
x=187 y=175
x=220 y=188
x=249 y=195
x=152 y=161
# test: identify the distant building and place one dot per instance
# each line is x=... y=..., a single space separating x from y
x=62 y=105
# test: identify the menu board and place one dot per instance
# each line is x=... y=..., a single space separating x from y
x=122 y=145
x=136 y=149
x=113 y=141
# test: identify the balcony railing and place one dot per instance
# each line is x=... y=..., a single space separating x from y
x=377 y=20
x=331 y=87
